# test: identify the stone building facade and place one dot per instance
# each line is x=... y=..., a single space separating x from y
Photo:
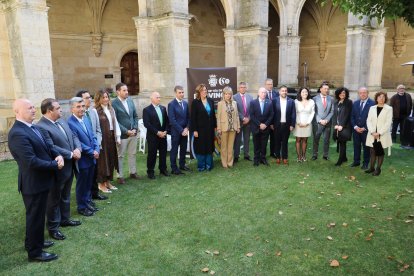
x=51 y=48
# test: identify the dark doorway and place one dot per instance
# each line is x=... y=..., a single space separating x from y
x=130 y=72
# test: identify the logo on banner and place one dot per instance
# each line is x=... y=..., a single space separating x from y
x=212 y=81
x=224 y=81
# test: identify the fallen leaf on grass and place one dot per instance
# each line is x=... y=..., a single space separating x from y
x=411 y=216
x=308 y=239
x=250 y=254
x=212 y=272
x=374 y=205
x=106 y=235
x=205 y=270
x=334 y=263
x=389 y=218
x=312 y=228
x=344 y=257
x=280 y=213
x=408 y=221
x=329 y=238
x=391 y=258
x=352 y=178
x=207 y=252
x=216 y=252
x=345 y=224
x=331 y=225
x=404 y=268
x=278 y=253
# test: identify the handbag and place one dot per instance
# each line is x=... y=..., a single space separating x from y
x=342 y=136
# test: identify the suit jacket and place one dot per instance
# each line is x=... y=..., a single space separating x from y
x=178 y=117
x=256 y=116
x=322 y=113
x=87 y=140
x=275 y=94
x=126 y=121
x=152 y=122
x=290 y=112
x=35 y=159
x=64 y=144
x=96 y=126
x=358 y=117
x=380 y=124
x=248 y=98
x=223 y=117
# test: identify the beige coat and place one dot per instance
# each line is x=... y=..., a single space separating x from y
x=380 y=124
x=222 y=118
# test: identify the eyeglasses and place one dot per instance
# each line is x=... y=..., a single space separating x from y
x=87 y=98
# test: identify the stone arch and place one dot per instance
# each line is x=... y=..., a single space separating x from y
x=274 y=22
x=228 y=6
x=131 y=47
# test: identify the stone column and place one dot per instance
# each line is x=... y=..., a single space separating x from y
x=246 y=49
x=364 y=54
x=163 y=52
x=30 y=53
x=288 y=60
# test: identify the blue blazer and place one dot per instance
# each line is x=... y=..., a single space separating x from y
x=359 y=118
x=178 y=117
x=88 y=141
x=35 y=159
x=290 y=112
x=256 y=116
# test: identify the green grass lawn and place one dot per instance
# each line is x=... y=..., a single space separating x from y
x=292 y=219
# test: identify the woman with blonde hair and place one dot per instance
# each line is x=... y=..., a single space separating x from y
x=228 y=124
x=111 y=134
x=203 y=124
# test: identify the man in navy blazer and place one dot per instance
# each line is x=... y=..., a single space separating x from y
x=156 y=121
x=261 y=117
x=90 y=152
x=179 y=118
x=359 y=117
x=38 y=162
x=284 y=122
x=271 y=94
x=58 y=133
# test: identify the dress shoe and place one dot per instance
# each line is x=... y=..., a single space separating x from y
x=99 y=197
x=247 y=158
x=285 y=162
x=235 y=160
x=92 y=203
x=151 y=176
x=165 y=173
x=339 y=163
x=134 y=176
x=364 y=167
x=47 y=244
x=121 y=180
x=70 y=223
x=44 y=257
x=177 y=172
x=354 y=165
x=314 y=158
x=371 y=170
x=376 y=172
x=104 y=189
x=273 y=155
x=264 y=162
x=57 y=235
x=85 y=212
x=325 y=158
x=255 y=163
x=92 y=208
x=278 y=161
x=185 y=168
x=111 y=187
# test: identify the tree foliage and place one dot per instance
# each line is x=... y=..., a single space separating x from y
x=379 y=9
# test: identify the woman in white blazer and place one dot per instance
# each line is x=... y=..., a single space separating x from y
x=379 y=136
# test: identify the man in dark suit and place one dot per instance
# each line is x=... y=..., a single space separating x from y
x=127 y=117
x=90 y=152
x=243 y=100
x=284 y=122
x=58 y=133
x=261 y=117
x=156 y=122
x=38 y=162
x=179 y=118
x=271 y=94
x=322 y=121
x=359 y=117
x=92 y=115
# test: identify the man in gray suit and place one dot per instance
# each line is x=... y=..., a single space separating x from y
x=92 y=115
x=127 y=117
x=243 y=100
x=322 y=121
x=57 y=132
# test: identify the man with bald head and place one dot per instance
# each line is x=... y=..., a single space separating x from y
x=38 y=163
x=359 y=117
x=156 y=121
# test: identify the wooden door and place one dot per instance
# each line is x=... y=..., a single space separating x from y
x=130 y=72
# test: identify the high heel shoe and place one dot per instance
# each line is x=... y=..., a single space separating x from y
x=103 y=188
x=376 y=172
x=370 y=170
x=304 y=159
x=110 y=186
x=339 y=163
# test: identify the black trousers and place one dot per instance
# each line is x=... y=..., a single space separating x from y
x=178 y=141
x=395 y=123
x=260 y=143
x=58 y=203
x=94 y=187
x=281 y=141
x=35 y=222
x=272 y=141
x=154 y=145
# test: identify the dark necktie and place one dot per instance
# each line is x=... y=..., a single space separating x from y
x=181 y=104
x=87 y=114
x=61 y=129
x=37 y=132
